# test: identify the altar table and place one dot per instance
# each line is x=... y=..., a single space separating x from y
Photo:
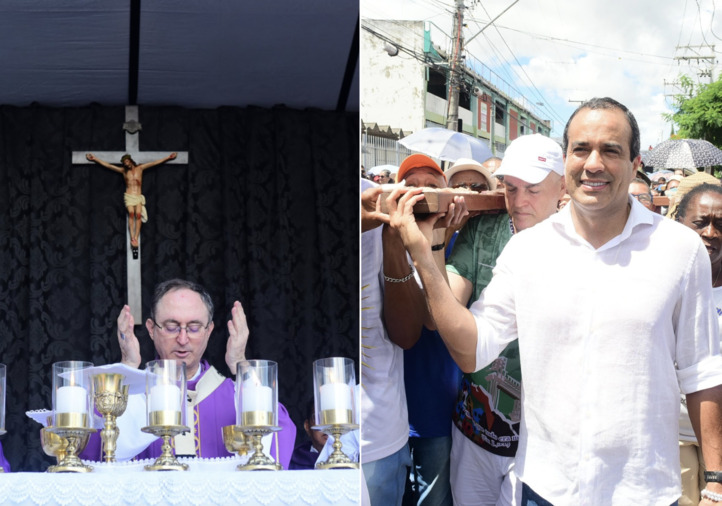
x=212 y=481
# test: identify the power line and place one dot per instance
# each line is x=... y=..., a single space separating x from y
x=539 y=94
x=570 y=43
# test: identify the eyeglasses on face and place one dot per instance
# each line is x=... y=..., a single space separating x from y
x=643 y=197
x=477 y=187
x=172 y=328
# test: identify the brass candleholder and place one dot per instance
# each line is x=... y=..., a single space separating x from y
x=235 y=440
x=337 y=459
x=75 y=436
x=259 y=461
x=333 y=381
x=166 y=461
x=111 y=399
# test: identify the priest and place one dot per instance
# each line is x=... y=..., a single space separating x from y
x=180 y=324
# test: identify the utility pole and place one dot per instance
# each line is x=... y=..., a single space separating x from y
x=711 y=59
x=452 y=117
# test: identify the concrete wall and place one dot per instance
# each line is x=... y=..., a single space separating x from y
x=393 y=88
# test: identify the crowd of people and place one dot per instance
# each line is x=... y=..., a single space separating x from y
x=534 y=355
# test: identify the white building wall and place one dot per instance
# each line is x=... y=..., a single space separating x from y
x=393 y=87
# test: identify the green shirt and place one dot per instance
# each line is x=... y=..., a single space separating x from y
x=488 y=407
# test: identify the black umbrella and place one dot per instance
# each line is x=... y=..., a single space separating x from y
x=683 y=154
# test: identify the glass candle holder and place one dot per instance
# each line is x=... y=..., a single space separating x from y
x=165 y=388
x=257 y=393
x=3 y=379
x=72 y=394
x=334 y=380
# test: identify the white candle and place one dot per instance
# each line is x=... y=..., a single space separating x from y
x=71 y=399
x=335 y=396
x=165 y=398
x=257 y=398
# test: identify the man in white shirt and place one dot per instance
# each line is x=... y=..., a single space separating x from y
x=605 y=343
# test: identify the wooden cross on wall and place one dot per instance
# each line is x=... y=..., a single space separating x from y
x=132 y=147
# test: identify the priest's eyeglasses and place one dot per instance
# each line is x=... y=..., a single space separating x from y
x=173 y=329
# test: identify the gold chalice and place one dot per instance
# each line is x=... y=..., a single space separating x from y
x=111 y=399
x=235 y=440
x=65 y=443
x=53 y=445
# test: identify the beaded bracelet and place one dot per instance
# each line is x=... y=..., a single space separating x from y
x=400 y=280
x=712 y=496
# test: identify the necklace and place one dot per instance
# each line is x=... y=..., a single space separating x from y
x=714 y=283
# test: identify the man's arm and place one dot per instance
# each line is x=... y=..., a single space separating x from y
x=90 y=157
x=705 y=413
x=148 y=165
x=405 y=309
x=455 y=323
x=460 y=287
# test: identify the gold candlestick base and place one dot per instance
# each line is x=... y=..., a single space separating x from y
x=235 y=440
x=259 y=461
x=166 y=461
x=71 y=463
x=337 y=459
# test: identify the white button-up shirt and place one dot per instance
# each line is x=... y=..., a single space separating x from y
x=607 y=339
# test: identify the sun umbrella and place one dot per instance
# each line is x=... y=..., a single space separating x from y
x=375 y=171
x=447 y=145
x=665 y=173
x=683 y=154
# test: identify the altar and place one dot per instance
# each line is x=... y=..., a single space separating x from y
x=208 y=481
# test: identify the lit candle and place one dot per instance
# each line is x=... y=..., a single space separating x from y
x=165 y=398
x=71 y=399
x=256 y=398
x=335 y=396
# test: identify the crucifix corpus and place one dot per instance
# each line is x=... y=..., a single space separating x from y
x=132 y=162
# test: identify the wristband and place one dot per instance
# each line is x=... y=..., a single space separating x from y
x=437 y=247
x=713 y=476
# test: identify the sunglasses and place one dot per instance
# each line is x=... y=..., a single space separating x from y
x=477 y=187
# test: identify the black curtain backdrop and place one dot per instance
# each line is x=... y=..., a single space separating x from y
x=266 y=212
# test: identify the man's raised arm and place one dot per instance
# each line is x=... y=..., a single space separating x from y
x=454 y=322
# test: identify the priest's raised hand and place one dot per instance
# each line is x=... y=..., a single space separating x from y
x=129 y=345
x=237 y=337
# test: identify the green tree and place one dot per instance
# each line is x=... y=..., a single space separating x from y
x=699 y=111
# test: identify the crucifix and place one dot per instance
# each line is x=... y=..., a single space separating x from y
x=141 y=159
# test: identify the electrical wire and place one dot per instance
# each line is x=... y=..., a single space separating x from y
x=529 y=80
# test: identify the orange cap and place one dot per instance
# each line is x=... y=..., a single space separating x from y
x=414 y=162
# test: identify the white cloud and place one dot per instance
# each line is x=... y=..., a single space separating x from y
x=625 y=49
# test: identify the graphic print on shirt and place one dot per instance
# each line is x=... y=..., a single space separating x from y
x=488 y=410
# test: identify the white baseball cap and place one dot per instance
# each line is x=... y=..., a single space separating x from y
x=531 y=158
x=468 y=164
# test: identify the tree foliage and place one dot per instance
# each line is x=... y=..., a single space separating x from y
x=699 y=111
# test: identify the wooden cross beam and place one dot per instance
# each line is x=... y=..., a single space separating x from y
x=132 y=147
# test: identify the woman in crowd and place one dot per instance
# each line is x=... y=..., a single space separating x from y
x=701 y=210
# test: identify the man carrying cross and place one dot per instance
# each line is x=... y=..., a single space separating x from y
x=133 y=196
x=605 y=345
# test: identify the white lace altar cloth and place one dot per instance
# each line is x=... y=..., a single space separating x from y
x=208 y=481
